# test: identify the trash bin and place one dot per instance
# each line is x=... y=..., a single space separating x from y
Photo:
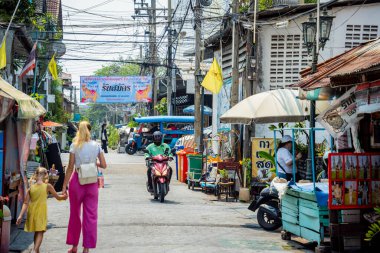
x=178 y=148
x=5 y=229
x=194 y=169
x=182 y=166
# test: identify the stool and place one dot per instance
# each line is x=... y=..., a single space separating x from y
x=225 y=188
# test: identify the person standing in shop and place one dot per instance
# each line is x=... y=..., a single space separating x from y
x=104 y=137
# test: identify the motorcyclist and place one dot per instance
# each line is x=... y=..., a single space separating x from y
x=154 y=149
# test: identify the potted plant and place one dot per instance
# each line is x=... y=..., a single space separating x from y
x=223 y=175
x=244 y=195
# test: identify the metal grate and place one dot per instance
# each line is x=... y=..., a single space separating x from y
x=288 y=56
x=356 y=34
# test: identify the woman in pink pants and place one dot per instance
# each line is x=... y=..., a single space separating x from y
x=83 y=151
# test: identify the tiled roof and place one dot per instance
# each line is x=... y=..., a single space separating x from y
x=357 y=60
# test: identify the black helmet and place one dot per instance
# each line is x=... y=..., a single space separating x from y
x=157 y=137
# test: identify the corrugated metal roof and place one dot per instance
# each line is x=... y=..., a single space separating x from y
x=358 y=59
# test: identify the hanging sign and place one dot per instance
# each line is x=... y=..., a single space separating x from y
x=115 y=89
x=339 y=117
x=260 y=166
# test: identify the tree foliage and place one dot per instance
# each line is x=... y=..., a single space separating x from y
x=162 y=107
x=24 y=14
x=118 y=69
x=57 y=112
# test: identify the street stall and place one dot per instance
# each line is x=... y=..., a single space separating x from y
x=304 y=209
x=272 y=106
x=18 y=113
x=351 y=81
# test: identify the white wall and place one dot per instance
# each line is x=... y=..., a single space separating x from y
x=348 y=15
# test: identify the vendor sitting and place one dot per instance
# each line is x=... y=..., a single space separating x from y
x=285 y=159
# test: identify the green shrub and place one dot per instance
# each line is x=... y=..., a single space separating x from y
x=113 y=138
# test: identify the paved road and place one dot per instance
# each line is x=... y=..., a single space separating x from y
x=188 y=221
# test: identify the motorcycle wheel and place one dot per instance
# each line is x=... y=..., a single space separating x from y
x=155 y=190
x=162 y=192
x=266 y=222
x=130 y=149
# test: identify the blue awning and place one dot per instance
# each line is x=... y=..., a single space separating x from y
x=165 y=119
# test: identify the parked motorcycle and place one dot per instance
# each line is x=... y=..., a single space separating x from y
x=160 y=176
x=136 y=144
x=268 y=206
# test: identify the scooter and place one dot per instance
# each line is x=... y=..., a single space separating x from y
x=268 y=206
x=160 y=176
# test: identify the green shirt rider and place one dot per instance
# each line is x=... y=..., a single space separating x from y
x=154 y=149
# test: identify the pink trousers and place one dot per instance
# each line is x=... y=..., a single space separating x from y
x=86 y=196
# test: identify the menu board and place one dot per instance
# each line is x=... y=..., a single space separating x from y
x=354 y=180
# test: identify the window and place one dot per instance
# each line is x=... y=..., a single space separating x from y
x=356 y=34
x=288 y=56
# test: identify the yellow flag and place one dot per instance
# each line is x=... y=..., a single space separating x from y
x=3 y=55
x=53 y=68
x=213 y=80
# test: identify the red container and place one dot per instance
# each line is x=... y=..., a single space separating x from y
x=183 y=166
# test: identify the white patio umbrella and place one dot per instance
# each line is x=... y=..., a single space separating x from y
x=270 y=107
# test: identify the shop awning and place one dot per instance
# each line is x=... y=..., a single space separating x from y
x=28 y=107
x=270 y=107
x=51 y=124
x=358 y=65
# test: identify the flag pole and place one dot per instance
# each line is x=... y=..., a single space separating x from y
x=35 y=69
x=47 y=89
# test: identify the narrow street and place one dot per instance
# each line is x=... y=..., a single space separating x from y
x=188 y=221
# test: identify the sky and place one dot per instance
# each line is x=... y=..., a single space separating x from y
x=101 y=21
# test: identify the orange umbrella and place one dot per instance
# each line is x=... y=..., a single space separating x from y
x=51 y=124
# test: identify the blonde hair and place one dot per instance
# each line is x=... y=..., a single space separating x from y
x=42 y=173
x=83 y=134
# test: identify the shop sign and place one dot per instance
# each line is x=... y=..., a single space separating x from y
x=260 y=166
x=354 y=180
x=115 y=89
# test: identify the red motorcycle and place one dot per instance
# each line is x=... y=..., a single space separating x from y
x=160 y=173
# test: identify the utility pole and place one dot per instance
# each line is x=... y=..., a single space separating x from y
x=197 y=92
x=170 y=61
x=153 y=56
x=235 y=73
x=250 y=75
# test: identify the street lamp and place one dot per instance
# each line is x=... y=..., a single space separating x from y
x=309 y=30
x=200 y=76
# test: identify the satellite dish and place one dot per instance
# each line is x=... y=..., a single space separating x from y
x=206 y=2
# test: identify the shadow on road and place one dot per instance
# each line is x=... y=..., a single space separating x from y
x=167 y=202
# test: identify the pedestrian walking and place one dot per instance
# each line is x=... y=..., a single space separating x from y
x=35 y=203
x=104 y=138
x=83 y=196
